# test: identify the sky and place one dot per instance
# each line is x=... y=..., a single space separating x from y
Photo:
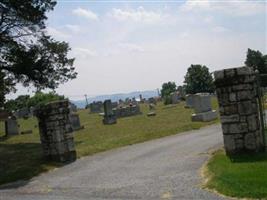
x=124 y=46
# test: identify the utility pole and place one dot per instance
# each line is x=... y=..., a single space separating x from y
x=158 y=92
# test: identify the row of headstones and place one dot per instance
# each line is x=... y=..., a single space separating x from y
x=98 y=106
x=127 y=111
x=201 y=103
x=111 y=114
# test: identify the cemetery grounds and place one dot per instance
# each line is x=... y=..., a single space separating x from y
x=21 y=155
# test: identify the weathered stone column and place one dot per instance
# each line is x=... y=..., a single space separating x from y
x=56 y=131
x=236 y=90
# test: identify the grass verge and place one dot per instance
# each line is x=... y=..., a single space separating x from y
x=244 y=178
x=21 y=156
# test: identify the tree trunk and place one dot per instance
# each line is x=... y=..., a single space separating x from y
x=2 y=90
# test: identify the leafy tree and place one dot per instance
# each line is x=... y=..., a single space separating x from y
x=167 y=89
x=27 y=54
x=42 y=98
x=39 y=98
x=18 y=103
x=257 y=61
x=198 y=79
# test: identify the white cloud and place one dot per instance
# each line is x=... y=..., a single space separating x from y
x=85 y=13
x=131 y=47
x=84 y=52
x=236 y=8
x=136 y=15
x=57 y=33
x=73 y=28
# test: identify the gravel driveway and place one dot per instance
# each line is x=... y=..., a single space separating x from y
x=166 y=168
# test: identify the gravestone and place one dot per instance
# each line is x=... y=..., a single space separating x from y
x=152 y=110
x=32 y=111
x=202 y=108
x=141 y=98
x=189 y=101
x=72 y=107
x=114 y=104
x=127 y=111
x=109 y=116
x=75 y=121
x=175 y=97
x=236 y=90
x=11 y=126
x=96 y=107
x=56 y=131
x=23 y=113
x=181 y=91
x=152 y=100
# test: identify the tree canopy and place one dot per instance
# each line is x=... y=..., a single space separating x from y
x=167 y=89
x=257 y=61
x=198 y=79
x=27 y=54
x=25 y=101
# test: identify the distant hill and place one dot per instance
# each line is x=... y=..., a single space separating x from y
x=116 y=97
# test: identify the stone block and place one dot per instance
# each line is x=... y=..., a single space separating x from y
x=202 y=103
x=204 y=116
x=242 y=87
x=229 y=143
x=230 y=118
x=229 y=72
x=252 y=123
x=235 y=128
x=245 y=95
x=230 y=109
x=250 y=141
x=245 y=108
x=244 y=71
x=189 y=101
x=219 y=74
x=232 y=97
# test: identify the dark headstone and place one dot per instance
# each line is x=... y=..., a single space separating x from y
x=109 y=117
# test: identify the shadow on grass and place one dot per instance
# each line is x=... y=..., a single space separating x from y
x=253 y=157
x=22 y=161
x=3 y=138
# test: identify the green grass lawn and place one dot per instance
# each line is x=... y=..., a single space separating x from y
x=21 y=156
x=246 y=177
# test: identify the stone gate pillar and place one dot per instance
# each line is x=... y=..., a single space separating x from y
x=236 y=90
x=56 y=131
